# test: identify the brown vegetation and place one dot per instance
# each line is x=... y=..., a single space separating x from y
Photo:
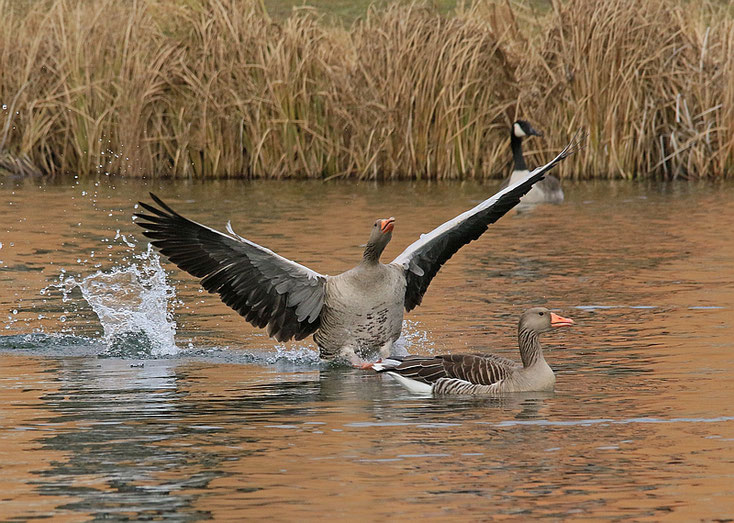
x=215 y=88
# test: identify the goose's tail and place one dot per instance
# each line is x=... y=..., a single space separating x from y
x=385 y=364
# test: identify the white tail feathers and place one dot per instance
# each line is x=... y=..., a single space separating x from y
x=385 y=364
x=412 y=385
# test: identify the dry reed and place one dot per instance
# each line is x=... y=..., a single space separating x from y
x=215 y=88
x=651 y=81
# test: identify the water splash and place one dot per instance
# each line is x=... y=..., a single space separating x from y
x=295 y=356
x=413 y=340
x=132 y=304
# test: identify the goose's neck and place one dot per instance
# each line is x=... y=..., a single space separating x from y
x=516 y=144
x=371 y=255
x=530 y=349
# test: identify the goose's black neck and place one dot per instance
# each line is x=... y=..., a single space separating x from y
x=516 y=144
x=530 y=349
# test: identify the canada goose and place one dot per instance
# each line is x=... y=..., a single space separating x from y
x=546 y=190
x=482 y=374
x=352 y=315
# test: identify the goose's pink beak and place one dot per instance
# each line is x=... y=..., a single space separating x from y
x=560 y=321
x=387 y=225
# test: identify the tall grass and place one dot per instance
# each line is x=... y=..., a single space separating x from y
x=651 y=81
x=215 y=88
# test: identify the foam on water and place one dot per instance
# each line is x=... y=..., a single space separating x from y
x=297 y=356
x=283 y=358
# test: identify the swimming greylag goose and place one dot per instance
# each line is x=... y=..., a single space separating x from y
x=482 y=374
x=352 y=315
x=547 y=190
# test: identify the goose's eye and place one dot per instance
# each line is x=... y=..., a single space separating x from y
x=541 y=313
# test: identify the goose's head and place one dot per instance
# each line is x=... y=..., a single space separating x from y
x=523 y=129
x=540 y=319
x=379 y=237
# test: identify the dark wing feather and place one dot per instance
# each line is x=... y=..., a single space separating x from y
x=421 y=368
x=479 y=370
x=268 y=290
x=422 y=259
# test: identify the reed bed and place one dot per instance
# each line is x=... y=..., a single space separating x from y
x=215 y=88
x=650 y=81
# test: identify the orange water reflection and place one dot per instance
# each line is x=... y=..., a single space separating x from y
x=641 y=425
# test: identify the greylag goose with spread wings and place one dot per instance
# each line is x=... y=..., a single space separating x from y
x=354 y=315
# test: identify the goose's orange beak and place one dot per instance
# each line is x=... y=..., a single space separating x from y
x=387 y=224
x=560 y=321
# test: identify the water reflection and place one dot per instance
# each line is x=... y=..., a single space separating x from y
x=233 y=426
x=194 y=440
x=113 y=416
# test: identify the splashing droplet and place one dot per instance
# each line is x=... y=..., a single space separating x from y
x=131 y=303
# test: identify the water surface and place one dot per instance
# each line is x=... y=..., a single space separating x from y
x=106 y=414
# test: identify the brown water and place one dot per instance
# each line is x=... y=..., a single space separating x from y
x=229 y=425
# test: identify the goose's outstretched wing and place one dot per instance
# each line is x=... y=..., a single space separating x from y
x=267 y=289
x=424 y=257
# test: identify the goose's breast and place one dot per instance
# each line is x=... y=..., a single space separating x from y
x=536 y=378
x=364 y=309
